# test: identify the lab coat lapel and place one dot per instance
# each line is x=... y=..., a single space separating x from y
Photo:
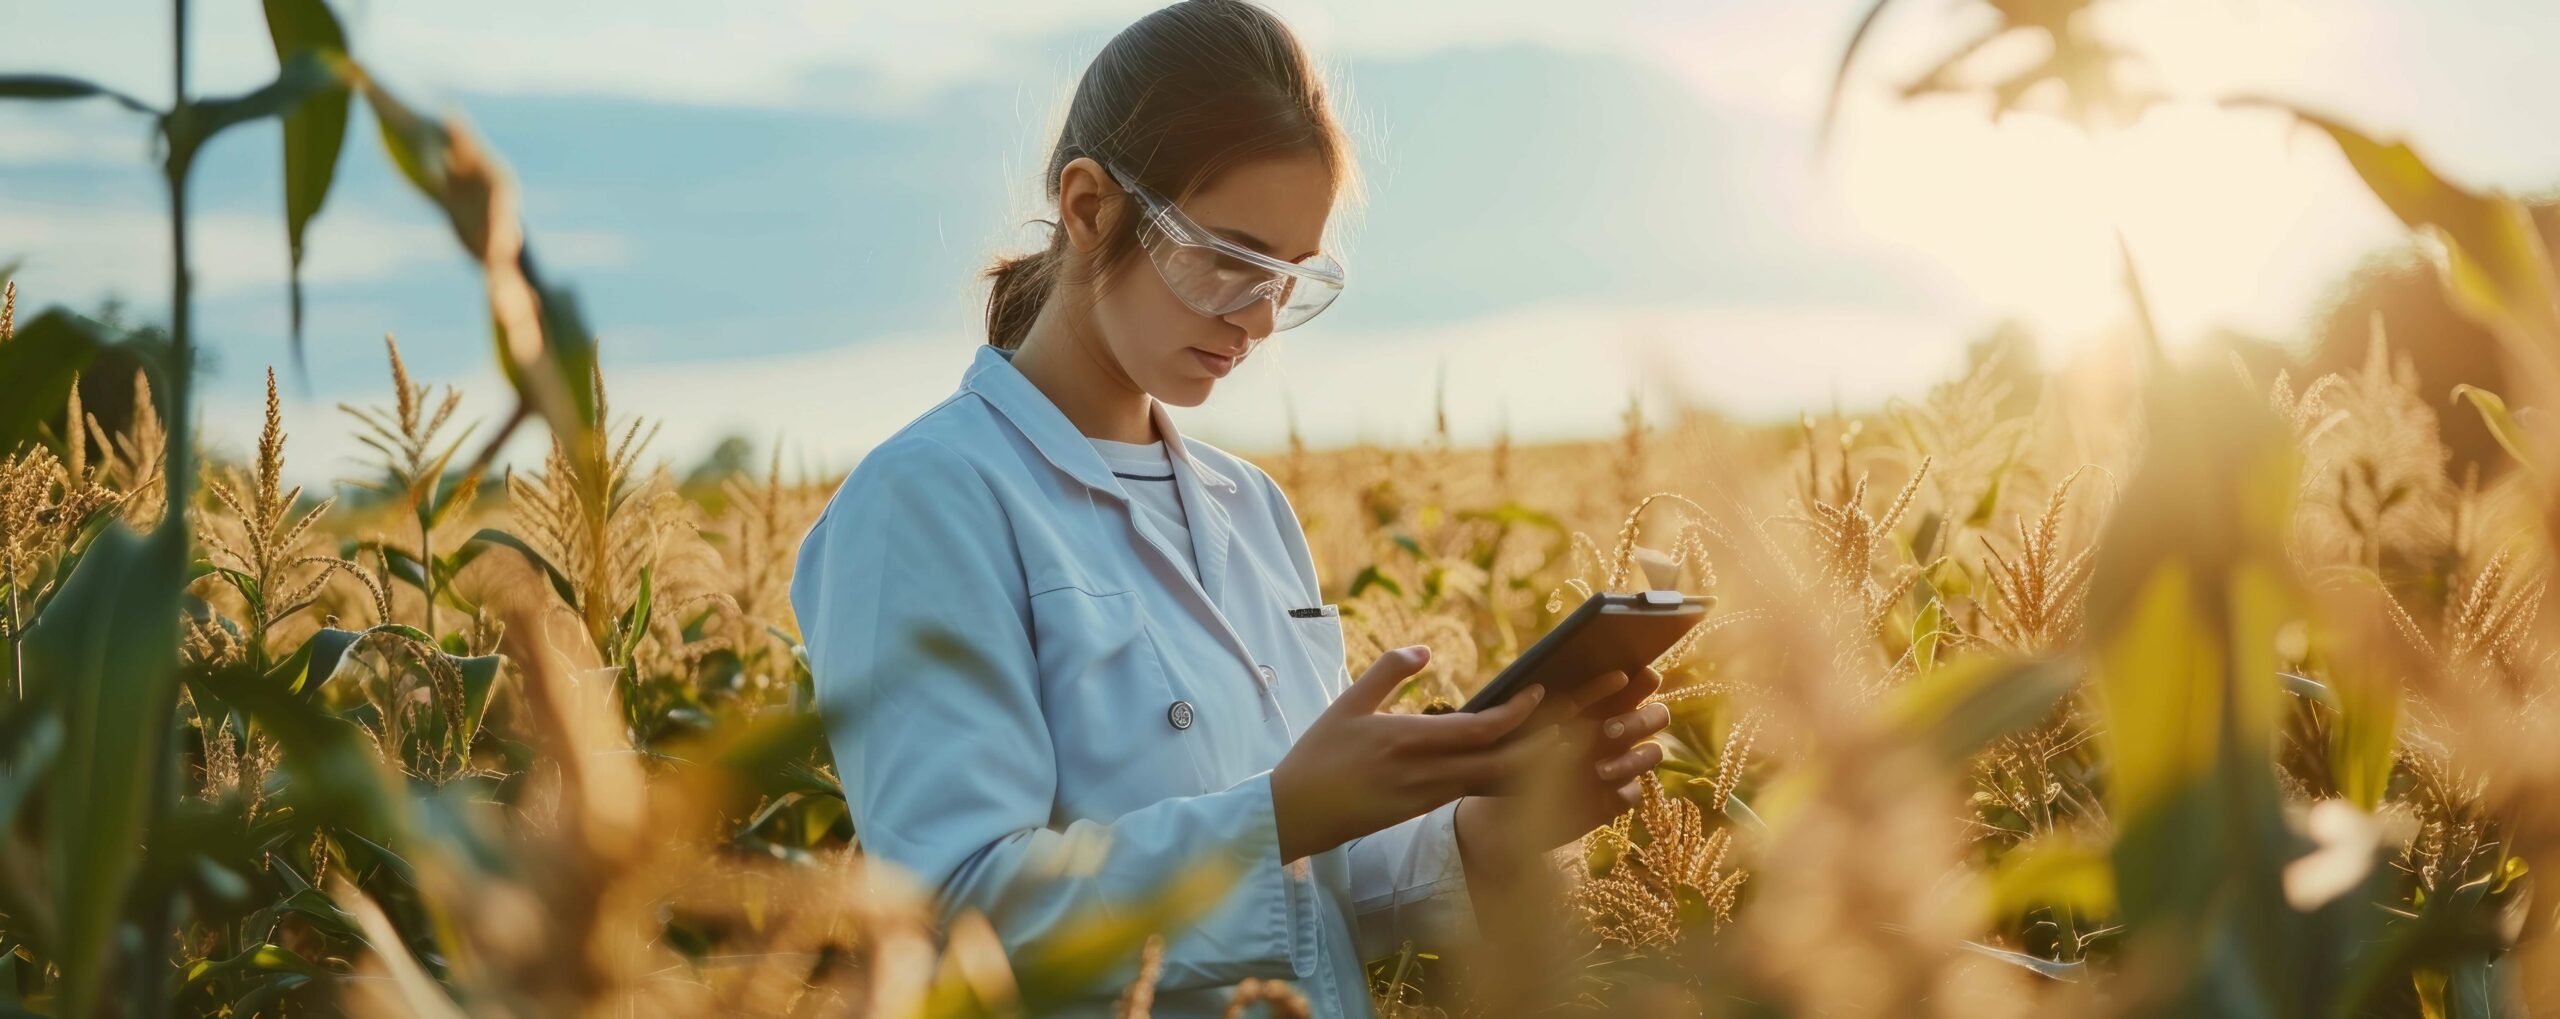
x=1211 y=528
x=993 y=376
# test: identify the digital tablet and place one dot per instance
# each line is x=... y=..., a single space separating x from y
x=1606 y=633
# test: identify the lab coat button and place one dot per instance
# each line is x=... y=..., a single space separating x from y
x=1268 y=675
x=1180 y=714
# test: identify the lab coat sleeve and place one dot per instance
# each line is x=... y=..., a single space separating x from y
x=1407 y=880
x=915 y=613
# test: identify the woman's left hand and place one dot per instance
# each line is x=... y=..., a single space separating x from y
x=1573 y=770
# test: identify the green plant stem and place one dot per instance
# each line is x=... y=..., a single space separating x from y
x=17 y=645
x=427 y=551
x=2066 y=925
x=179 y=479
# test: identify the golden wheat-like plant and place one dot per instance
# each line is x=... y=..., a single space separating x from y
x=411 y=457
x=261 y=547
x=599 y=524
x=2036 y=597
x=1668 y=874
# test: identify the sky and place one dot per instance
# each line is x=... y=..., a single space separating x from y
x=774 y=213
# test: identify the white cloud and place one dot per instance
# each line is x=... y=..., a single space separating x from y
x=1567 y=369
x=72 y=252
x=24 y=142
x=766 y=54
x=1550 y=371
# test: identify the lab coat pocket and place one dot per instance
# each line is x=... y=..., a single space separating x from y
x=1124 y=735
x=1319 y=631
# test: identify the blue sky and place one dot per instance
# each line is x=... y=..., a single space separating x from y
x=774 y=213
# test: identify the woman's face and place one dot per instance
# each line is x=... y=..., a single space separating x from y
x=1277 y=206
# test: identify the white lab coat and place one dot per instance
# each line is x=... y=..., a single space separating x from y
x=1015 y=672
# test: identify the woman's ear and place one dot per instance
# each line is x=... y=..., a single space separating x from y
x=1086 y=201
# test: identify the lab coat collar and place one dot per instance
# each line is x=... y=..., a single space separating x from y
x=992 y=375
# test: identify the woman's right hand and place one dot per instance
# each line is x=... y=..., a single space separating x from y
x=1356 y=771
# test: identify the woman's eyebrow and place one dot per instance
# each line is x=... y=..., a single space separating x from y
x=1241 y=237
x=1250 y=241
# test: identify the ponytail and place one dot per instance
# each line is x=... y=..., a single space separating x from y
x=1022 y=285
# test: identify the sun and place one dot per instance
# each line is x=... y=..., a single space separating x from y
x=2231 y=220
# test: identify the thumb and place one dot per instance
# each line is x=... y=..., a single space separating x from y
x=1372 y=689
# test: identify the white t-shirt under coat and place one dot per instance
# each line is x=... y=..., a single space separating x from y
x=1146 y=471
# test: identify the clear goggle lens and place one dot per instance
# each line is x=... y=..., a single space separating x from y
x=1215 y=282
x=1217 y=277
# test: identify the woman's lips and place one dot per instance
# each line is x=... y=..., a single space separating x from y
x=1217 y=364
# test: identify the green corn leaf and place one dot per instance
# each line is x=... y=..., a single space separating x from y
x=337 y=777
x=317 y=660
x=30 y=742
x=397 y=562
x=479 y=676
x=2185 y=600
x=430 y=494
x=2502 y=424
x=314 y=131
x=37 y=369
x=57 y=87
x=635 y=620
x=736 y=764
x=1371 y=577
x=544 y=346
x=2364 y=738
x=2054 y=870
x=1980 y=517
x=416 y=145
x=560 y=584
x=106 y=653
x=306 y=74
x=1964 y=706
x=1101 y=949
x=257 y=958
x=2493 y=263
x=250 y=591
x=309 y=904
x=262 y=1000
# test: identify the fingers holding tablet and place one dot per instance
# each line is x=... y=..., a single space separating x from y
x=1645 y=757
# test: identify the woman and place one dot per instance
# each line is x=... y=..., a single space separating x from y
x=1065 y=652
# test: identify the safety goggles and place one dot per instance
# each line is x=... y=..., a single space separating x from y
x=1216 y=276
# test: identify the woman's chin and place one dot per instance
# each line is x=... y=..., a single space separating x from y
x=1186 y=392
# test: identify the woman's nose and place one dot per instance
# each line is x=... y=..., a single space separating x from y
x=1254 y=319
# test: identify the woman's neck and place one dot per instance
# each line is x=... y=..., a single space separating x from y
x=1066 y=359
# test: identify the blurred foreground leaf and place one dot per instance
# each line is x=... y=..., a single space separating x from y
x=58 y=87
x=105 y=654
x=37 y=368
x=2186 y=596
x=543 y=343
x=1964 y=706
x=314 y=131
x=2492 y=260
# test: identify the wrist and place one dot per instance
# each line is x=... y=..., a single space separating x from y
x=1487 y=847
x=1291 y=828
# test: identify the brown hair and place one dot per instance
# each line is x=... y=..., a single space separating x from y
x=1174 y=99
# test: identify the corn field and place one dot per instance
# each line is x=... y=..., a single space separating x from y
x=2153 y=682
